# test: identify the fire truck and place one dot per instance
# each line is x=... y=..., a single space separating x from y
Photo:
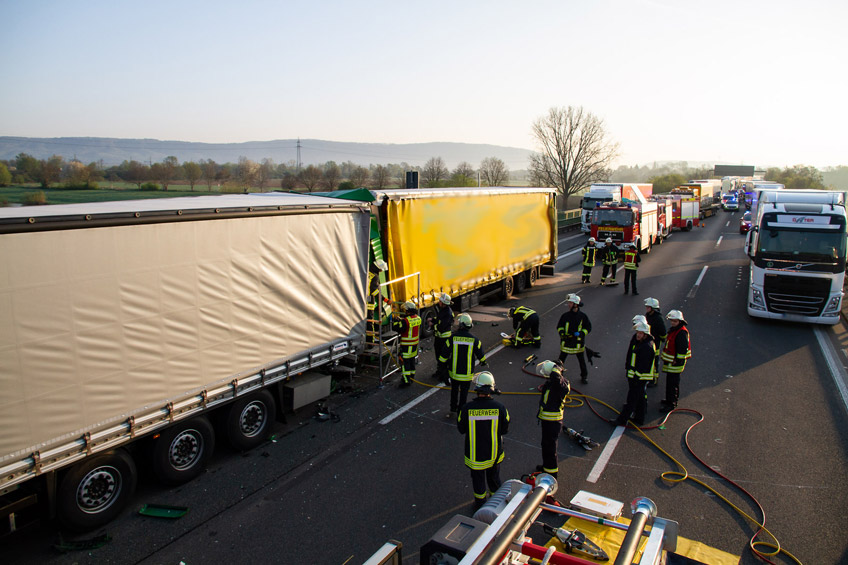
x=685 y=211
x=628 y=224
x=665 y=215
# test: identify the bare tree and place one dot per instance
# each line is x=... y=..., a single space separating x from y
x=247 y=173
x=332 y=175
x=210 y=169
x=193 y=172
x=380 y=177
x=493 y=171
x=359 y=177
x=310 y=177
x=573 y=150
x=288 y=181
x=434 y=172
x=263 y=173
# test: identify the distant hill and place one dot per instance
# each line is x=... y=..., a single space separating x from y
x=113 y=151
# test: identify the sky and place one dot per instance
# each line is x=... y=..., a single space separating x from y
x=732 y=81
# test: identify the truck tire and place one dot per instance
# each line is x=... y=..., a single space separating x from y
x=248 y=420
x=520 y=282
x=428 y=322
x=180 y=452
x=688 y=226
x=532 y=277
x=95 y=490
x=508 y=288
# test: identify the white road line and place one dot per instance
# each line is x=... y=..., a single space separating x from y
x=719 y=240
x=727 y=224
x=837 y=371
x=408 y=405
x=578 y=250
x=606 y=454
x=697 y=282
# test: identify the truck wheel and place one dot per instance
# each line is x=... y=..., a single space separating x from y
x=428 y=322
x=94 y=491
x=520 y=282
x=180 y=452
x=689 y=225
x=508 y=288
x=532 y=277
x=249 y=419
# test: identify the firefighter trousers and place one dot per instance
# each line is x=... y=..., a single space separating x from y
x=550 y=439
x=482 y=478
x=581 y=360
x=608 y=274
x=637 y=402
x=672 y=388
x=459 y=394
x=630 y=276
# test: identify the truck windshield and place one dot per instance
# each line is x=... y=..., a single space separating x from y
x=814 y=246
x=589 y=203
x=613 y=218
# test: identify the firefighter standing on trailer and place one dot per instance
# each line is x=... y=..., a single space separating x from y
x=442 y=334
x=525 y=322
x=551 y=405
x=409 y=328
x=483 y=422
x=589 y=252
x=631 y=265
x=657 y=324
x=639 y=364
x=675 y=353
x=609 y=257
x=464 y=348
x=573 y=327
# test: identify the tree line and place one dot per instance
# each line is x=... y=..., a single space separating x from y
x=246 y=174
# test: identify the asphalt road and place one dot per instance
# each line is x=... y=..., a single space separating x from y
x=331 y=492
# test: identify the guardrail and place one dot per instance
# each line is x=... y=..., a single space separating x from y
x=568 y=220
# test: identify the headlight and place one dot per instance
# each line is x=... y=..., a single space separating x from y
x=832 y=307
x=757 y=299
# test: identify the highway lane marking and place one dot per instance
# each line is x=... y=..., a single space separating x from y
x=837 y=371
x=719 y=240
x=727 y=224
x=606 y=454
x=698 y=282
x=408 y=405
x=564 y=255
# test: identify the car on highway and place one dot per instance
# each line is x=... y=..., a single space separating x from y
x=729 y=202
x=745 y=223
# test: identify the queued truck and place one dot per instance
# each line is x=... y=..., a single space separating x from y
x=707 y=194
x=797 y=248
x=602 y=192
x=469 y=243
x=156 y=327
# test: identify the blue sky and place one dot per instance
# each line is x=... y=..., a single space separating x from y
x=759 y=82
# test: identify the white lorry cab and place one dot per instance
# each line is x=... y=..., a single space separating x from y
x=797 y=247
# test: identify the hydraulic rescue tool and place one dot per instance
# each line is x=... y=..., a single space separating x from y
x=585 y=442
x=575 y=541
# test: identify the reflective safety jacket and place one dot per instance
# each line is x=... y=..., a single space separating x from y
x=464 y=348
x=655 y=320
x=589 y=253
x=677 y=350
x=409 y=328
x=573 y=327
x=554 y=392
x=609 y=254
x=631 y=259
x=483 y=421
x=521 y=313
x=444 y=321
x=641 y=358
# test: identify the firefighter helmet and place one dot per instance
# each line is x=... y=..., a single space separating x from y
x=410 y=307
x=445 y=298
x=573 y=298
x=545 y=368
x=381 y=265
x=652 y=302
x=639 y=318
x=608 y=240
x=464 y=321
x=484 y=381
x=511 y=312
x=675 y=315
x=592 y=240
x=641 y=326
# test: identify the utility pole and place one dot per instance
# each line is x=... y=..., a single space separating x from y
x=298 y=155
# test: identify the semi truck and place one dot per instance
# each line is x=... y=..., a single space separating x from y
x=797 y=248
x=708 y=198
x=599 y=193
x=465 y=242
x=156 y=327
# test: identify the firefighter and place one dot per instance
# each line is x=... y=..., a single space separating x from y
x=525 y=323
x=573 y=327
x=639 y=365
x=589 y=252
x=442 y=334
x=657 y=324
x=677 y=349
x=409 y=328
x=464 y=349
x=631 y=265
x=609 y=257
x=483 y=422
x=551 y=404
